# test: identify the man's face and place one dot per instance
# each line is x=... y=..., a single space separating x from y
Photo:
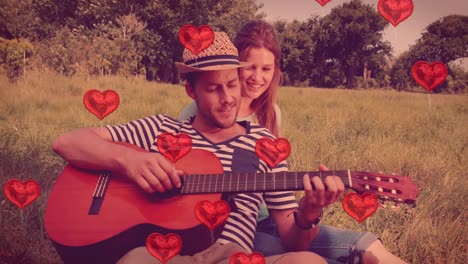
x=217 y=95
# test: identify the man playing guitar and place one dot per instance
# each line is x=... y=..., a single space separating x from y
x=213 y=83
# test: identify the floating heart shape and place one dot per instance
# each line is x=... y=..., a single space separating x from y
x=20 y=193
x=174 y=147
x=212 y=214
x=272 y=151
x=101 y=104
x=395 y=11
x=242 y=258
x=323 y=2
x=358 y=206
x=163 y=247
x=429 y=75
x=196 y=39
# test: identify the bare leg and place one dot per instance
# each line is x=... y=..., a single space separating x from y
x=377 y=253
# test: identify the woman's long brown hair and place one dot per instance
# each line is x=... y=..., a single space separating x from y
x=260 y=34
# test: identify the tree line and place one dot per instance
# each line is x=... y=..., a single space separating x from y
x=140 y=37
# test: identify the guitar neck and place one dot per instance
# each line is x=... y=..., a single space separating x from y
x=236 y=182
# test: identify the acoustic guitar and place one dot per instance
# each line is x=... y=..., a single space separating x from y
x=97 y=217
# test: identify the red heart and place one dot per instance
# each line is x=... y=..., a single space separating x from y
x=429 y=75
x=174 y=147
x=20 y=193
x=395 y=11
x=212 y=215
x=163 y=247
x=242 y=258
x=101 y=104
x=323 y=2
x=196 y=39
x=358 y=206
x=272 y=151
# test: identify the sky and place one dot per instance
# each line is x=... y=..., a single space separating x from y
x=401 y=37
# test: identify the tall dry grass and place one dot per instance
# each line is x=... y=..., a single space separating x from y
x=418 y=135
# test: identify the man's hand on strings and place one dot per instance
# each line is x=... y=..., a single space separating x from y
x=152 y=172
x=319 y=194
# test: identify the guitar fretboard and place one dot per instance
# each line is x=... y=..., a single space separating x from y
x=251 y=182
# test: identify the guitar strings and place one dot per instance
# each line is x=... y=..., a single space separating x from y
x=289 y=183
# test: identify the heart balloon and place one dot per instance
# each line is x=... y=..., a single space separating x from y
x=212 y=214
x=272 y=151
x=395 y=11
x=101 y=104
x=429 y=75
x=323 y=2
x=359 y=206
x=174 y=147
x=196 y=39
x=20 y=193
x=242 y=258
x=163 y=247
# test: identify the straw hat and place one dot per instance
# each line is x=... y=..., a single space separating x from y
x=221 y=55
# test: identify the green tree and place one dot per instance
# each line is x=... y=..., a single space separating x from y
x=165 y=17
x=116 y=36
x=457 y=82
x=350 y=36
x=64 y=52
x=34 y=19
x=52 y=15
x=14 y=56
x=400 y=73
x=375 y=69
x=444 y=40
x=90 y=13
x=108 y=49
x=17 y=19
x=239 y=12
x=297 y=51
x=154 y=54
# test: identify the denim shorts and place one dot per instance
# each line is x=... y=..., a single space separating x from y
x=334 y=244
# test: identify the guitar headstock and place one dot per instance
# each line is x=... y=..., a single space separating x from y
x=400 y=189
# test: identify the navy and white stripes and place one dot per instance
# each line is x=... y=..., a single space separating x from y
x=241 y=224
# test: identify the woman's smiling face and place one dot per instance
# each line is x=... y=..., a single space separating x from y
x=256 y=79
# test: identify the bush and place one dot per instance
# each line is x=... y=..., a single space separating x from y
x=14 y=55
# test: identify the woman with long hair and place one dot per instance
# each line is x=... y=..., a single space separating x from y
x=257 y=43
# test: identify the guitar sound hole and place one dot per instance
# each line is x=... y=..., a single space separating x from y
x=169 y=194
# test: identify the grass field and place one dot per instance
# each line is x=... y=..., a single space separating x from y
x=411 y=134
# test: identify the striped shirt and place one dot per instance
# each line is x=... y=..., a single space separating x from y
x=236 y=155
